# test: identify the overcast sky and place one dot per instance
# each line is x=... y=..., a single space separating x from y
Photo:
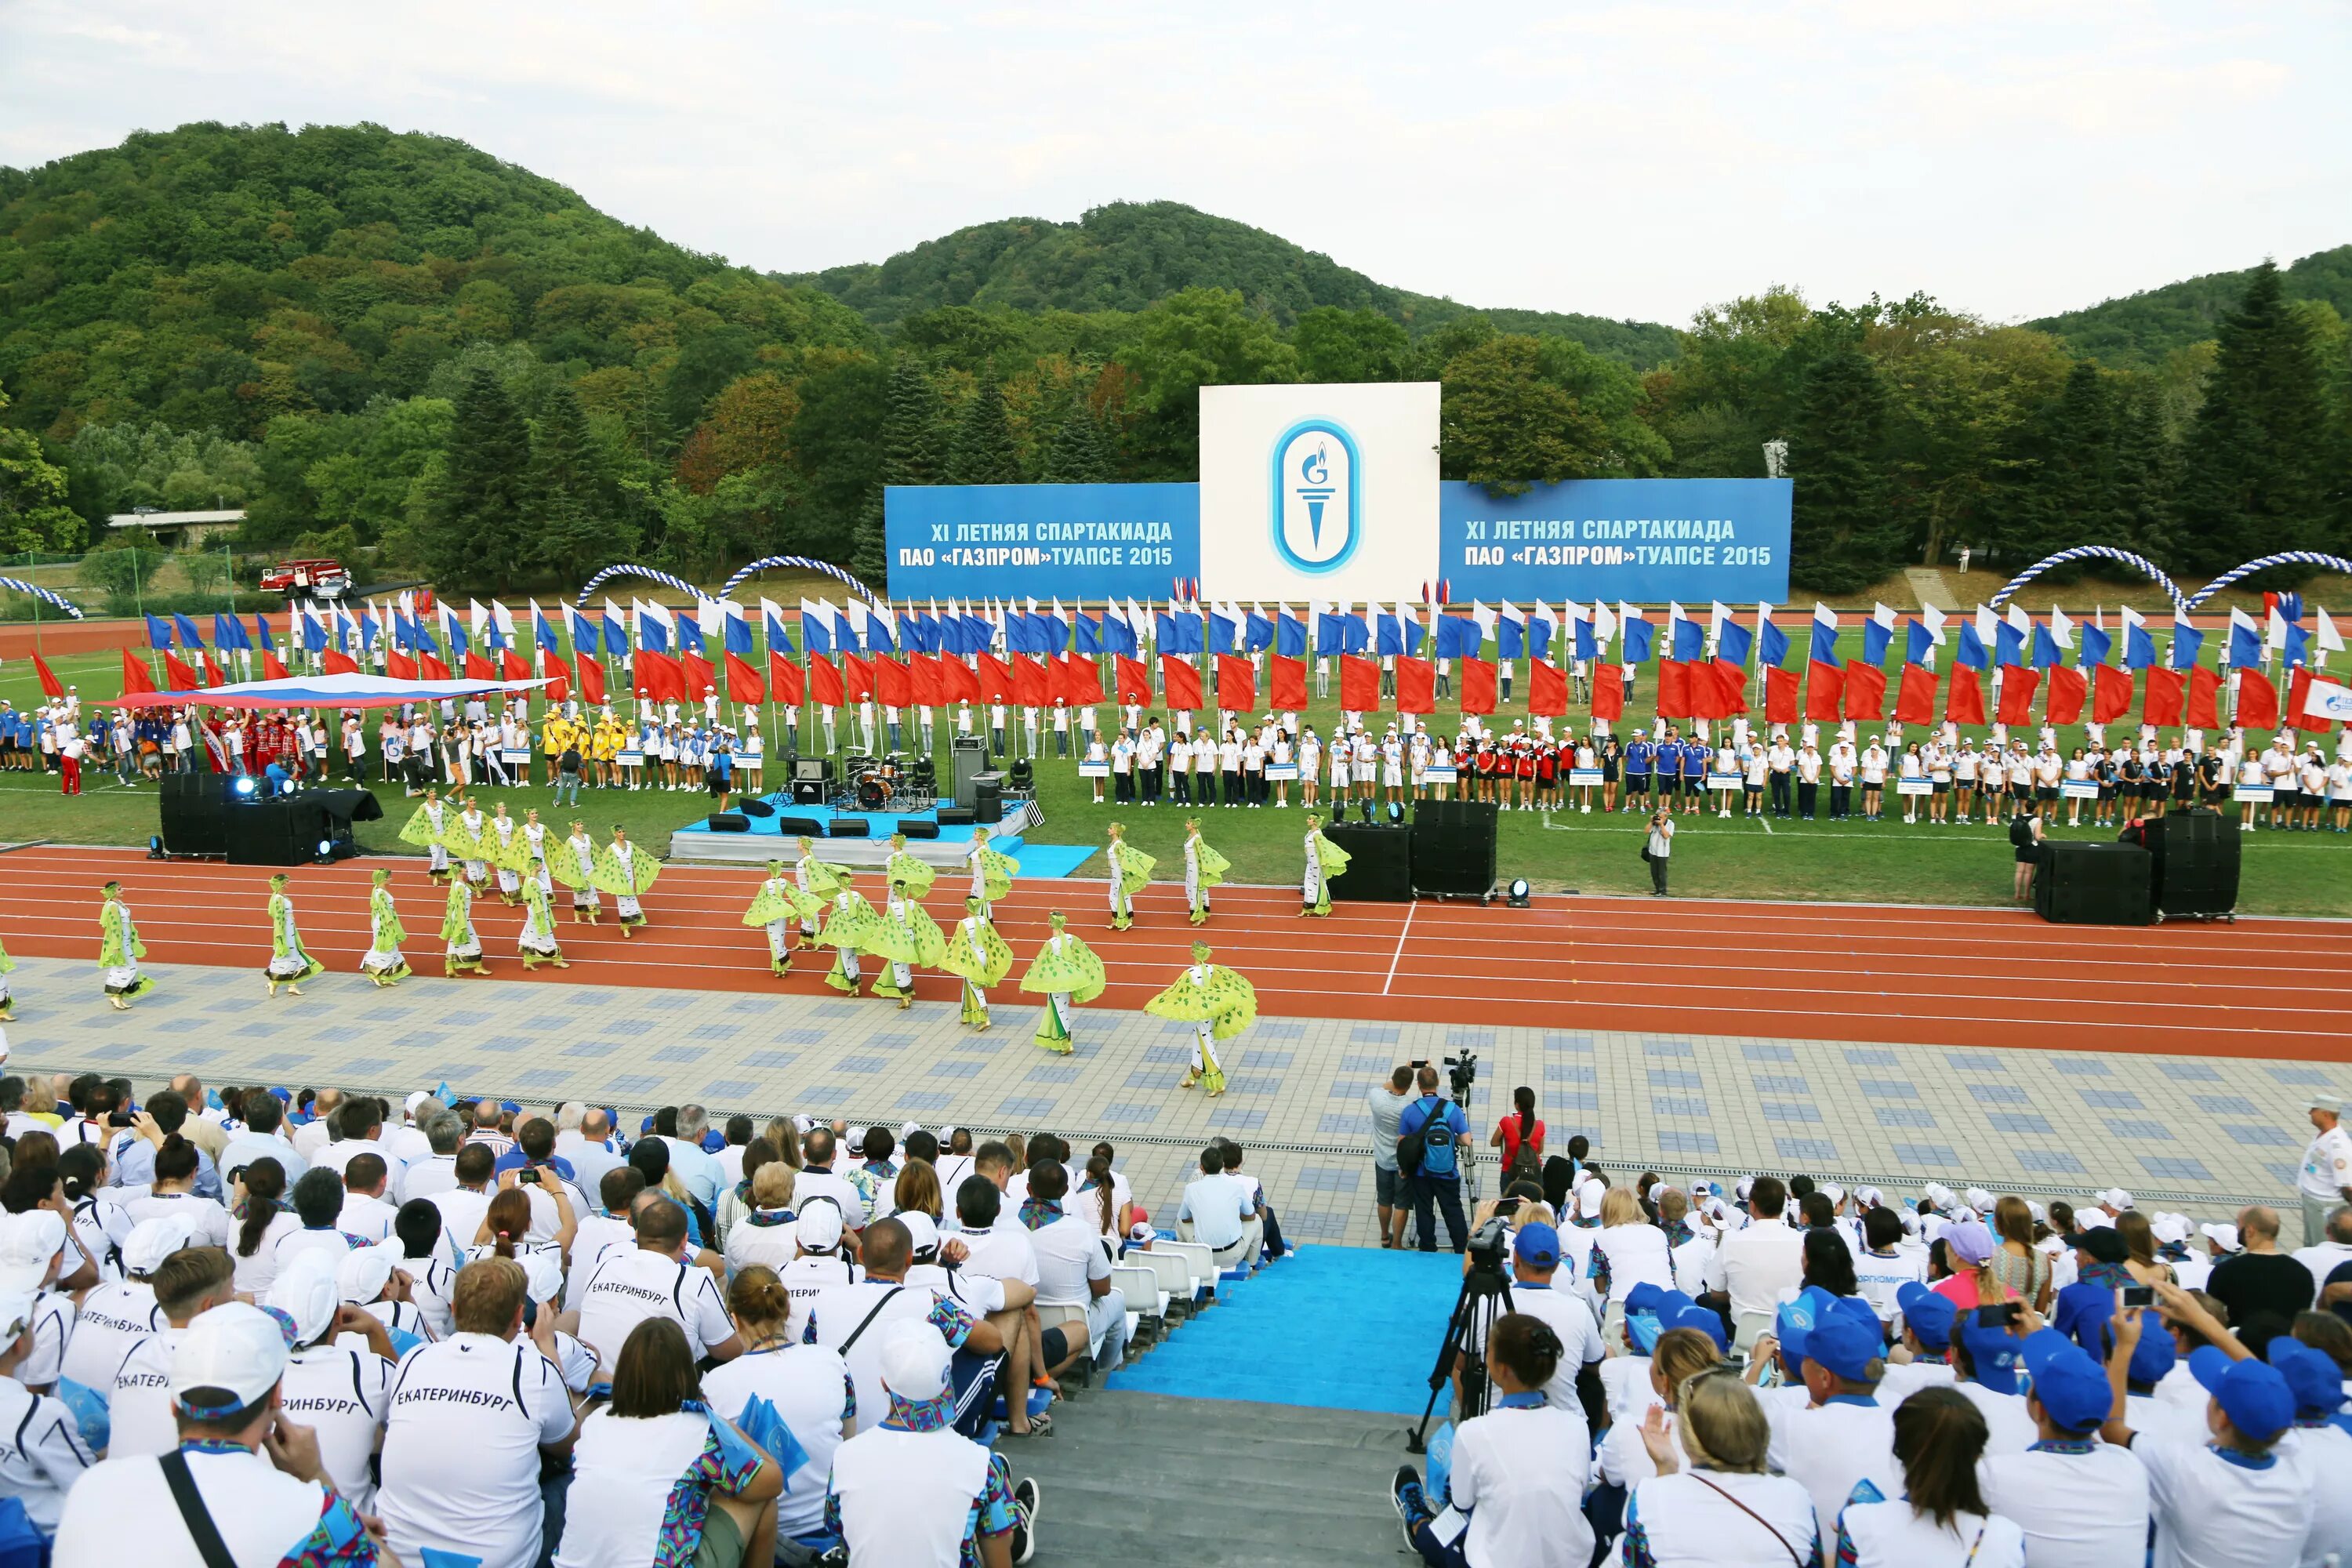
x=1625 y=159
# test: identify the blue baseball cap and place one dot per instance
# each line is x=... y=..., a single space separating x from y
x=1993 y=1352
x=2253 y=1395
x=1643 y=1297
x=1537 y=1245
x=2311 y=1377
x=1644 y=1327
x=2072 y=1386
x=1927 y=1314
x=1704 y=1319
x=2154 y=1355
x=1843 y=1337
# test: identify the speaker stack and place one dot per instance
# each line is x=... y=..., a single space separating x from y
x=848 y=827
x=2194 y=857
x=1379 y=863
x=1453 y=848
x=988 y=798
x=800 y=826
x=728 y=822
x=2095 y=884
x=919 y=828
x=195 y=813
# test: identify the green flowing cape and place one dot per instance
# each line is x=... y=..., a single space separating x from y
x=1226 y=998
x=1132 y=866
x=993 y=964
x=420 y=830
x=779 y=900
x=849 y=927
x=824 y=877
x=513 y=856
x=911 y=938
x=563 y=865
x=462 y=842
x=283 y=938
x=457 y=916
x=1213 y=866
x=1077 y=969
x=118 y=938
x=997 y=870
x=609 y=876
x=389 y=932
x=1328 y=856
x=905 y=867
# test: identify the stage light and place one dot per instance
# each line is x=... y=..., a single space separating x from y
x=156 y=847
x=1396 y=813
x=244 y=786
x=325 y=848
x=1518 y=900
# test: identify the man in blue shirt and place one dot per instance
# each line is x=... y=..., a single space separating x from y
x=1696 y=754
x=1438 y=1181
x=1638 y=752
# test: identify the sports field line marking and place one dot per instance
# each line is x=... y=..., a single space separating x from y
x=1939 y=838
x=1404 y=932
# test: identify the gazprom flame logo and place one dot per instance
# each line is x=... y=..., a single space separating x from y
x=1316 y=504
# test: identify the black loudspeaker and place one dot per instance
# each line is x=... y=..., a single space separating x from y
x=919 y=828
x=2095 y=884
x=800 y=826
x=730 y=822
x=988 y=800
x=194 y=814
x=807 y=793
x=2194 y=858
x=1379 y=864
x=1453 y=848
x=849 y=827
x=955 y=816
x=757 y=808
x=265 y=833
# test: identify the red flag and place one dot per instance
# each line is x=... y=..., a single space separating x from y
x=696 y=676
x=1077 y=679
x=513 y=665
x=1730 y=688
x=1865 y=690
x=177 y=676
x=213 y=676
x=335 y=663
x=1546 y=689
x=430 y=667
x=2018 y=684
x=1780 y=696
x=591 y=682
x=1181 y=682
x=2166 y=691
x=1288 y=678
x=1824 y=689
x=1416 y=683
x=559 y=680
x=1133 y=678
x=1916 y=702
x=1608 y=691
x=1236 y=684
x=996 y=679
x=1964 y=704
x=743 y=682
x=1031 y=686
x=1673 y=690
x=396 y=664
x=1477 y=686
x=785 y=680
x=2204 y=697
x=1360 y=684
x=929 y=687
x=659 y=676
x=2067 y=690
x=2111 y=693
x=51 y=684
x=2258 y=706
x=134 y=676
x=2304 y=681
x=960 y=682
x=824 y=680
x=478 y=668
x=893 y=683
x=856 y=677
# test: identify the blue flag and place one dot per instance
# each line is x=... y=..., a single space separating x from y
x=1776 y=645
x=261 y=632
x=1188 y=633
x=689 y=636
x=736 y=632
x=2045 y=647
x=1689 y=640
x=2139 y=647
x=2298 y=646
x=1587 y=647
x=542 y=632
x=1637 y=641
x=1328 y=635
x=2245 y=645
x=616 y=635
x=2187 y=643
x=763 y=1426
x=2095 y=649
x=187 y=631
x=1510 y=638
x=1413 y=636
x=878 y=638
x=2008 y=643
x=1875 y=640
x=779 y=637
x=817 y=635
x=1824 y=644
x=1257 y=632
x=1119 y=637
x=1089 y=633
x=1917 y=641
x=1972 y=648
x=229 y=632
x=1290 y=637
x=651 y=634
x=1539 y=638
x=1388 y=637
x=1355 y=634
x=1733 y=643
x=1223 y=629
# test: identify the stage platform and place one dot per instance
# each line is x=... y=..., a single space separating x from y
x=767 y=840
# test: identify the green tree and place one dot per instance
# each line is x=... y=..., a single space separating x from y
x=33 y=510
x=910 y=453
x=1841 y=538
x=1504 y=424
x=1195 y=338
x=473 y=535
x=574 y=525
x=121 y=567
x=1076 y=456
x=983 y=441
x=2256 y=479
x=1336 y=345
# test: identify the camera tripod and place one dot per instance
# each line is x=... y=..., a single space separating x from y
x=1481 y=1287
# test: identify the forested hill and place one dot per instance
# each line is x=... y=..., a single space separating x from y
x=2137 y=333
x=1125 y=256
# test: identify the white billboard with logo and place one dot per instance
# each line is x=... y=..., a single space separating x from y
x=1318 y=492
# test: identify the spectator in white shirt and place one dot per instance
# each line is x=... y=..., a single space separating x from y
x=1755 y=1267
x=366 y=1214
x=1215 y=1206
x=188 y=1283
x=1074 y=1269
x=655 y=1279
x=1666 y=1358
x=1535 y=1263
x=589 y=1147
x=1846 y=1437
x=816 y=1183
x=1629 y=1250
x=2333 y=1250
x=2080 y=1503
x=264 y=1134
x=437 y=1172
x=1516 y=1471
x=46 y=1452
x=1712 y=1502
x=765 y=1236
x=1941 y=1520
x=338 y=1375
x=263 y=1222
x=808 y=1386
x=701 y=1174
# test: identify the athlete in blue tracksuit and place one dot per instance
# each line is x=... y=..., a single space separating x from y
x=1638 y=753
x=1696 y=754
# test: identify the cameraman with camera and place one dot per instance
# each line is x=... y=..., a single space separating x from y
x=1429 y=1155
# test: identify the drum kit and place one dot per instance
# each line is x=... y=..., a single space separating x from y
x=884 y=784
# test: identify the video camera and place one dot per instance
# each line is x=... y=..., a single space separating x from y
x=1462 y=1071
x=1487 y=1246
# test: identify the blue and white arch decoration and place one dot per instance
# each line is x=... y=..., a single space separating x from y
x=2318 y=558
x=806 y=563
x=2139 y=564
x=38 y=592
x=648 y=574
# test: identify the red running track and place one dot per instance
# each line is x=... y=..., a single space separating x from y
x=1931 y=976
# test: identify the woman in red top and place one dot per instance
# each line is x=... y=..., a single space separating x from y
x=1527 y=768
x=1519 y=1130
x=1547 y=777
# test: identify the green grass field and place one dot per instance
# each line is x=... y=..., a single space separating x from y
x=2284 y=873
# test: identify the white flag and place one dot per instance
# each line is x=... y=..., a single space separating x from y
x=1933 y=620
x=2330 y=639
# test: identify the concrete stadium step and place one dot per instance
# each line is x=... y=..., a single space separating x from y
x=1151 y=1481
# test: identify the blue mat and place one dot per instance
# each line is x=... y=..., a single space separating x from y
x=1337 y=1328
x=1050 y=861
x=1045 y=862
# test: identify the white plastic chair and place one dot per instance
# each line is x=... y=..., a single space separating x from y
x=1200 y=1263
x=1746 y=1327
x=1175 y=1280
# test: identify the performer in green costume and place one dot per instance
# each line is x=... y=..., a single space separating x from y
x=904 y=936
x=120 y=951
x=819 y=879
x=776 y=908
x=1066 y=972
x=1131 y=868
x=1219 y=1005
x=991 y=871
x=7 y=1002
x=464 y=944
x=1325 y=860
x=1203 y=868
x=538 y=939
x=978 y=955
x=902 y=867
x=849 y=920
x=383 y=963
x=428 y=829
x=289 y=963
x=624 y=872
x=573 y=862
x=469 y=838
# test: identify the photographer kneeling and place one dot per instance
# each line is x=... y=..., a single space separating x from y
x=1517 y=1483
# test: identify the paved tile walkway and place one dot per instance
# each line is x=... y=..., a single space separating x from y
x=2180 y=1131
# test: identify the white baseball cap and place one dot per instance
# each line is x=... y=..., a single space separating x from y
x=152 y=1240
x=28 y=1241
x=818 y=1228
x=2169 y=1228
x=364 y=1272
x=15 y=1317
x=2116 y=1198
x=305 y=1292
x=1979 y=1200
x=922 y=1235
x=2225 y=1236
x=233 y=1349
x=1831 y=1190
x=914 y=1361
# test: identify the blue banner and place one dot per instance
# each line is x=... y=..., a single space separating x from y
x=1070 y=541
x=1641 y=541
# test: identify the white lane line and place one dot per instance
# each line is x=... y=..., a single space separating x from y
x=1395 y=957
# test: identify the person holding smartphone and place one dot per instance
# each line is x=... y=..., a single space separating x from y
x=1659 y=845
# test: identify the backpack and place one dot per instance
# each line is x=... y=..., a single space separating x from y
x=2021 y=832
x=1428 y=1149
x=570 y=761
